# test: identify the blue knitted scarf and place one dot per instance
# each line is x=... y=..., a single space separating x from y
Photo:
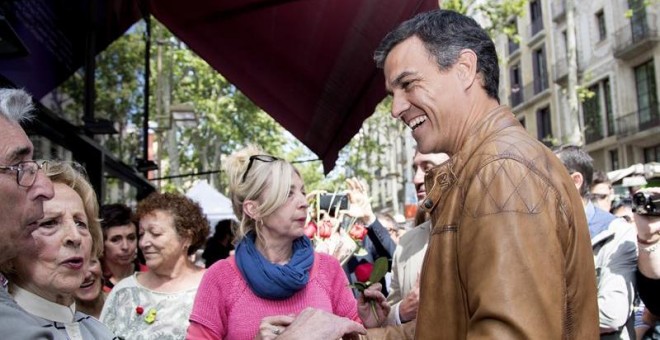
x=273 y=281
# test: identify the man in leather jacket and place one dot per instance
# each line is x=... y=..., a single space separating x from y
x=509 y=255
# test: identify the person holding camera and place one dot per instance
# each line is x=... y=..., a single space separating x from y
x=646 y=205
x=615 y=251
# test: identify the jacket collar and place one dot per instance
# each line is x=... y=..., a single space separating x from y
x=443 y=177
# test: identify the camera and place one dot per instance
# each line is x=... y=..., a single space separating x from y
x=333 y=202
x=645 y=203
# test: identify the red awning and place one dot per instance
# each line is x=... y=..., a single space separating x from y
x=307 y=63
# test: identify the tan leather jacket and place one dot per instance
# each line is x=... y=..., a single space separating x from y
x=510 y=255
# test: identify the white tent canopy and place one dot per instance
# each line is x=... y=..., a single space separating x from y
x=215 y=205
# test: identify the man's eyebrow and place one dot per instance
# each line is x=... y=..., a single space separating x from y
x=398 y=80
x=18 y=154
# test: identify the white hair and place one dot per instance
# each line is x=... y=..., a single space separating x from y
x=15 y=105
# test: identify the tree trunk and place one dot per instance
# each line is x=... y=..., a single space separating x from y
x=573 y=123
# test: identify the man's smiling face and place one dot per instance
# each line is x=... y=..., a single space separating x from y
x=424 y=97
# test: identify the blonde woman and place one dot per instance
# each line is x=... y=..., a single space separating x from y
x=274 y=273
x=46 y=274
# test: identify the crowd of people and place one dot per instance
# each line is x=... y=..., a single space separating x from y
x=512 y=239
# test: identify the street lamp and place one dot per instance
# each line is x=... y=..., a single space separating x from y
x=183 y=115
x=180 y=114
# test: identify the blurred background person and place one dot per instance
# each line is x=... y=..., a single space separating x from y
x=622 y=207
x=90 y=296
x=378 y=242
x=45 y=275
x=220 y=245
x=275 y=272
x=157 y=303
x=120 y=244
x=409 y=254
x=614 y=249
x=392 y=226
x=601 y=191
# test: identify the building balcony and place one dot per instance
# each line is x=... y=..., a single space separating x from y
x=535 y=28
x=558 y=10
x=513 y=46
x=592 y=134
x=637 y=37
x=528 y=93
x=516 y=97
x=637 y=121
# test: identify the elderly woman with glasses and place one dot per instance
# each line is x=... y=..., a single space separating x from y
x=275 y=272
x=47 y=272
x=156 y=304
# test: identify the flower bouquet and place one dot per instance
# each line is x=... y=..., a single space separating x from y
x=333 y=231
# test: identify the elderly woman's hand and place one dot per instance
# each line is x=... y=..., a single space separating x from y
x=272 y=326
x=360 y=204
x=312 y=324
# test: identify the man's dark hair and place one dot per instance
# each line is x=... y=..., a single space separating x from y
x=600 y=177
x=575 y=159
x=114 y=215
x=445 y=34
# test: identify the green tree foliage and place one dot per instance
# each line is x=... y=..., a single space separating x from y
x=227 y=119
x=119 y=96
x=498 y=14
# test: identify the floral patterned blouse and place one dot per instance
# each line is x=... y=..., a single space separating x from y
x=135 y=312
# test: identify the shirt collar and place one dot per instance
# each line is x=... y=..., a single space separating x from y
x=38 y=306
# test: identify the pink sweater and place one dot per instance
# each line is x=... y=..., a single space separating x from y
x=227 y=307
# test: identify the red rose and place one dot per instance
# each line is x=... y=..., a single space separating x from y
x=139 y=310
x=310 y=229
x=358 y=232
x=325 y=230
x=363 y=271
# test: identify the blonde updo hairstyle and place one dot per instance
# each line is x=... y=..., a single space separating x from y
x=267 y=183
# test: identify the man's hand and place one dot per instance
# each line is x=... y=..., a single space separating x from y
x=382 y=308
x=409 y=304
x=315 y=324
x=359 y=203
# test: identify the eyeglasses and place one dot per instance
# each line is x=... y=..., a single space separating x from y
x=263 y=158
x=26 y=172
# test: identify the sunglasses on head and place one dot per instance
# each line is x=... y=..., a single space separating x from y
x=263 y=158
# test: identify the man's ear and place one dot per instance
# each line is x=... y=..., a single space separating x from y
x=466 y=65
x=251 y=209
x=578 y=180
